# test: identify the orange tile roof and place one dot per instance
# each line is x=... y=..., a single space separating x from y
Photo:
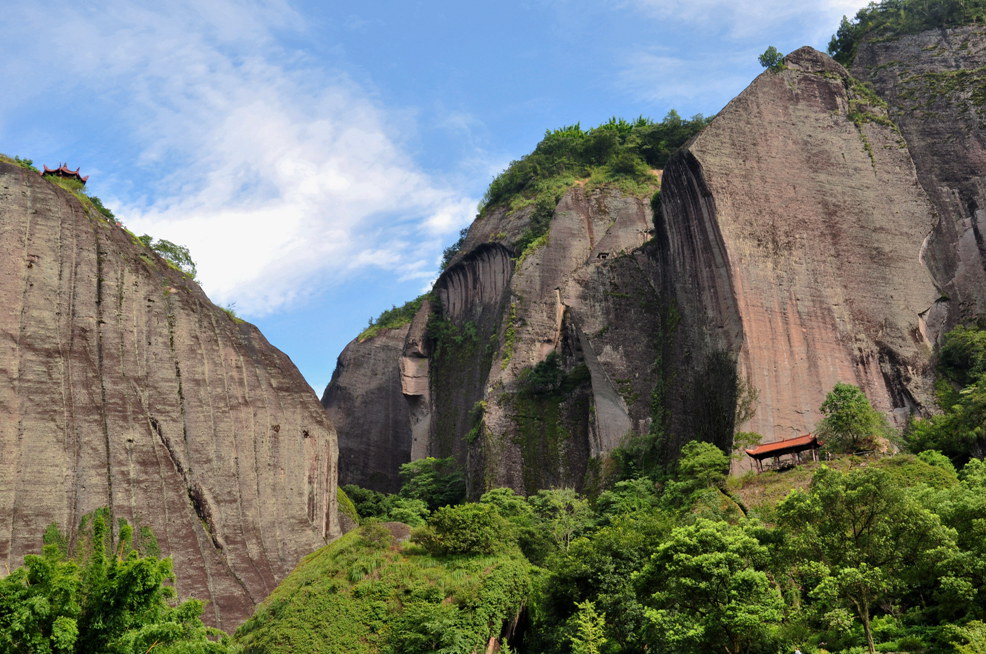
x=779 y=447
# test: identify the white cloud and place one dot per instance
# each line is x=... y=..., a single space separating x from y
x=280 y=173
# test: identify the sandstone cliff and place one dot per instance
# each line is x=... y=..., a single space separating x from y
x=935 y=85
x=788 y=254
x=364 y=399
x=122 y=385
x=796 y=231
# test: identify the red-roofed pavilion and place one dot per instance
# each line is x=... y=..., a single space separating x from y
x=789 y=447
x=63 y=171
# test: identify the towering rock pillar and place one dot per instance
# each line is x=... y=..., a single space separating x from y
x=795 y=231
x=121 y=385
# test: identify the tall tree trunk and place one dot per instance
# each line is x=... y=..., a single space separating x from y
x=864 y=615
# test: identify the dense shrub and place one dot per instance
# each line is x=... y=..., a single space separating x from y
x=436 y=482
x=960 y=430
x=627 y=148
x=466 y=529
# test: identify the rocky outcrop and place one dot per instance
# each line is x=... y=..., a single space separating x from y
x=795 y=232
x=935 y=85
x=365 y=400
x=790 y=252
x=583 y=296
x=121 y=385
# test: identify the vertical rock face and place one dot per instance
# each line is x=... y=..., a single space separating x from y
x=121 y=385
x=795 y=238
x=791 y=252
x=935 y=85
x=365 y=400
x=587 y=297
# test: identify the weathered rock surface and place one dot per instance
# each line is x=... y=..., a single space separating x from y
x=935 y=85
x=789 y=254
x=585 y=295
x=121 y=385
x=795 y=239
x=365 y=401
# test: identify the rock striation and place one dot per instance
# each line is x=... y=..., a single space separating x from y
x=934 y=84
x=121 y=385
x=796 y=230
x=792 y=248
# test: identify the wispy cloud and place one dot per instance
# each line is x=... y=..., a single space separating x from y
x=282 y=174
x=664 y=80
x=738 y=19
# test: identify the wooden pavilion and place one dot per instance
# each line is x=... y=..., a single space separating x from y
x=63 y=171
x=793 y=447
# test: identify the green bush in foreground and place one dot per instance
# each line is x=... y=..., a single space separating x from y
x=109 y=595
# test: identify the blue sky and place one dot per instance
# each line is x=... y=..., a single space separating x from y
x=316 y=157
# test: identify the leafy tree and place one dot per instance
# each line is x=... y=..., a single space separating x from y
x=26 y=163
x=466 y=529
x=96 y=202
x=600 y=567
x=960 y=432
x=177 y=255
x=534 y=539
x=369 y=503
x=589 y=629
x=627 y=148
x=708 y=591
x=703 y=465
x=963 y=508
x=562 y=512
x=962 y=357
x=107 y=597
x=851 y=424
x=969 y=638
x=772 y=59
x=393 y=317
x=409 y=511
x=744 y=440
x=627 y=496
x=449 y=253
x=437 y=482
x=888 y=18
x=862 y=540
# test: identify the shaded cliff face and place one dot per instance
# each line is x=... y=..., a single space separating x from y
x=524 y=368
x=365 y=401
x=795 y=238
x=935 y=85
x=789 y=254
x=121 y=385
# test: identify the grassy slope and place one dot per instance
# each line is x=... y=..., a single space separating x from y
x=763 y=491
x=349 y=595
